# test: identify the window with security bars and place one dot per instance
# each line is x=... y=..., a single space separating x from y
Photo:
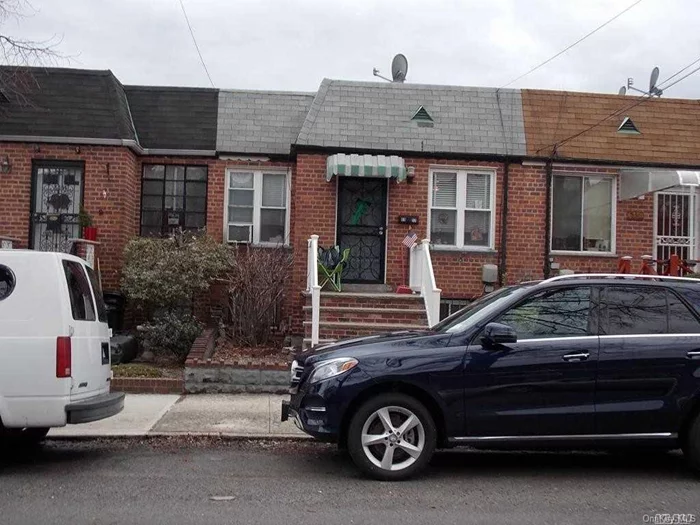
x=173 y=197
x=257 y=210
x=461 y=209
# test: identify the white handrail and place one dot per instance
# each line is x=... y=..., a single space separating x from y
x=313 y=288
x=422 y=279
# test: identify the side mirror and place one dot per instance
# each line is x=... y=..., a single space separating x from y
x=498 y=334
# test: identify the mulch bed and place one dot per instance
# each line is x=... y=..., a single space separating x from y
x=230 y=353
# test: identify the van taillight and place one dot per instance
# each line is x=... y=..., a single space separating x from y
x=63 y=357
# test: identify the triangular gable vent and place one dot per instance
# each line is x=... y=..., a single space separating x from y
x=628 y=126
x=422 y=117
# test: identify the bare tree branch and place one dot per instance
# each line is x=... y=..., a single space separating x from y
x=16 y=83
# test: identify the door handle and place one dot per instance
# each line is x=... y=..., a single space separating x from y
x=583 y=356
x=695 y=354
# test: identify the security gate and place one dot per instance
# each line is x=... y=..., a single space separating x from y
x=361 y=227
x=674 y=225
x=57 y=194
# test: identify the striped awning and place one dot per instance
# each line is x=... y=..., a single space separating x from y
x=366 y=166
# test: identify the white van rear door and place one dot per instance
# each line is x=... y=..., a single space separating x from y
x=90 y=354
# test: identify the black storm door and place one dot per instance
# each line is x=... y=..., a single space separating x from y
x=361 y=227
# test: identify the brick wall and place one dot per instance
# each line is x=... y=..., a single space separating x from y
x=109 y=195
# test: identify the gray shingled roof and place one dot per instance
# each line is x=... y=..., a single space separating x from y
x=174 y=117
x=260 y=122
x=377 y=116
x=58 y=102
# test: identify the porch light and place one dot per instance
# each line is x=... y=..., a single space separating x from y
x=5 y=165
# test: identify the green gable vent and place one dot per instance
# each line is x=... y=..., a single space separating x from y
x=628 y=127
x=422 y=117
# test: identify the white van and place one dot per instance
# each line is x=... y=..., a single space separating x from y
x=54 y=345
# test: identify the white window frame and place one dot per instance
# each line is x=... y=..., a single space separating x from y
x=613 y=213
x=257 y=204
x=462 y=175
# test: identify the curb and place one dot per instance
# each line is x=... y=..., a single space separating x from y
x=159 y=435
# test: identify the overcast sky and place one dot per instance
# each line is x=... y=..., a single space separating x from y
x=294 y=44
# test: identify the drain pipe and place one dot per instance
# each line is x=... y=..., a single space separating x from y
x=547 y=221
x=502 y=263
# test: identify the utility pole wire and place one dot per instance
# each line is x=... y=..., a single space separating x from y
x=195 y=43
x=681 y=71
x=618 y=15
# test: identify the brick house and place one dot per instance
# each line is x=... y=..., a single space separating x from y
x=359 y=164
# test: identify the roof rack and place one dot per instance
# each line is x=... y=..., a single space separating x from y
x=621 y=276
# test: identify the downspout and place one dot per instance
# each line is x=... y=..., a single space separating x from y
x=547 y=222
x=502 y=264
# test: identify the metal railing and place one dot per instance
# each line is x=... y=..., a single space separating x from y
x=313 y=288
x=422 y=279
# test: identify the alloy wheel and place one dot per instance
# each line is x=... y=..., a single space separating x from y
x=393 y=438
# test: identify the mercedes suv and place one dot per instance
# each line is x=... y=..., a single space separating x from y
x=573 y=361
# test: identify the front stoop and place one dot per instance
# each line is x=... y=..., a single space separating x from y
x=355 y=314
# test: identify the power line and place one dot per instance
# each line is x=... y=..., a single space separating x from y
x=618 y=15
x=195 y=43
x=642 y=100
x=681 y=71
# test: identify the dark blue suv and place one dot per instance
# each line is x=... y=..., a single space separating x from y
x=578 y=361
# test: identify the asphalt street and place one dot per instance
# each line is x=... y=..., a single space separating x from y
x=210 y=481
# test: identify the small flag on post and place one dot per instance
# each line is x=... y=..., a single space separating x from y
x=410 y=240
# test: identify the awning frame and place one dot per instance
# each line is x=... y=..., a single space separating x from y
x=355 y=165
x=635 y=182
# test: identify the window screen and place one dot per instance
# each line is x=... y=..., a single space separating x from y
x=79 y=292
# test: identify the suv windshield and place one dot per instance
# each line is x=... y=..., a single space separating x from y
x=476 y=310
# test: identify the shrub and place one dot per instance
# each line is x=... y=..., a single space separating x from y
x=167 y=273
x=172 y=331
x=256 y=283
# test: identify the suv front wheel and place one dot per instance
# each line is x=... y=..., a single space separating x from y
x=391 y=437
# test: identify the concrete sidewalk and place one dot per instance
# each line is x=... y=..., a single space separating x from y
x=245 y=415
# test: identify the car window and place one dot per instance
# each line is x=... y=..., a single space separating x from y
x=459 y=321
x=7 y=282
x=692 y=295
x=552 y=313
x=99 y=298
x=635 y=310
x=81 y=302
x=680 y=319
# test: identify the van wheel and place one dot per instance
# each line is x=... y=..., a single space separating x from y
x=691 y=447
x=391 y=437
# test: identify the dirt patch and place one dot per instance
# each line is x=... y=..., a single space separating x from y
x=228 y=352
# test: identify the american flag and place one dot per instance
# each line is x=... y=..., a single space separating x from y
x=410 y=240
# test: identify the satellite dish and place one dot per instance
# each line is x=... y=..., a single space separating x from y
x=622 y=91
x=653 y=80
x=399 y=68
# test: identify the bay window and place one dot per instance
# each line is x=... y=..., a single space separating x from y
x=257 y=210
x=582 y=213
x=461 y=209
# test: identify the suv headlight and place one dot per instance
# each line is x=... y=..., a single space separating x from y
x=332 y=368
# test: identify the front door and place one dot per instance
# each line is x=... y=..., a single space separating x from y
x=361 y=227
x=544 y=384
x=57 y=192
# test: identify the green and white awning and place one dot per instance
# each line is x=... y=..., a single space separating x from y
x=366 y=166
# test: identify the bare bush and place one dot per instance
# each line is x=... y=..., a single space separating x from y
x=256 y=285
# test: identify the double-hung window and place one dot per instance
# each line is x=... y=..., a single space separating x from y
x=461 y=209
x=257 y=207
x=173 y=197
x=582 y=213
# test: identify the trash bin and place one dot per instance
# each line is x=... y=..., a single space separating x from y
x=115 y=303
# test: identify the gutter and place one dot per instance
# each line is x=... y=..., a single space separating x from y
x=502 y=264
x=548 y=216
x=128 y=143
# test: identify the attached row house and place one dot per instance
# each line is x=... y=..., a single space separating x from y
x=503 y=185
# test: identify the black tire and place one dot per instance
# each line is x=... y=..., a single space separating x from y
x=422 y=437
x=691 y=446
